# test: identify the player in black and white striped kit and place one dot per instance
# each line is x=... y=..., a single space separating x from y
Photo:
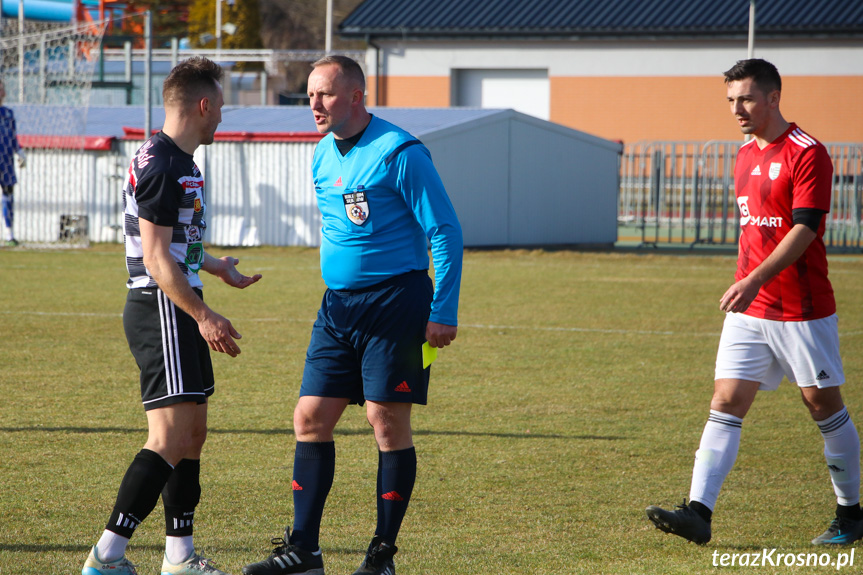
x=169 y=328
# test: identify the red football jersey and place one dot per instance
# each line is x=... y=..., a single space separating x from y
x=794 y=171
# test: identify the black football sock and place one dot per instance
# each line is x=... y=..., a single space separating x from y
x=139 y=492
x=180 y=496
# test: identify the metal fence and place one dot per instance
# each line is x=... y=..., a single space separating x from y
x=683 y=193
x=258 y=193
x=261 y=193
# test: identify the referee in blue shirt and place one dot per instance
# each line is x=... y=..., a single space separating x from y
x=382 y=203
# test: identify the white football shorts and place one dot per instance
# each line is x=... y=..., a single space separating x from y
x=763 y=350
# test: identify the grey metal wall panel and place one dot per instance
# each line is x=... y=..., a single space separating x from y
x=519 y=181
x=109 y=121
x=472 y=166
x=563 y=191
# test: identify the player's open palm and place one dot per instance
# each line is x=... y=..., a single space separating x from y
x=232 y=276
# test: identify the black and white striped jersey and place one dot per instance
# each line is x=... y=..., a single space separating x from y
x=165 y=187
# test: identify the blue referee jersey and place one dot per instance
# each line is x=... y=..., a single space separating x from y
x=381 y=204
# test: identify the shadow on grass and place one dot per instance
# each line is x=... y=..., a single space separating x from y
x=795 y=549
x=84 y=549
x=345 y=432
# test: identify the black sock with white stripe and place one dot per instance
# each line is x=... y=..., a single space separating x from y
x=139 y=492
x=180 y=496
x=842 y=452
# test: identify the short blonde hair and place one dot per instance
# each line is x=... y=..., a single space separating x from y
x=349 y=67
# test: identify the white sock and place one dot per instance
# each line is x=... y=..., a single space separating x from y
x=178 y=549
x=111 y=546
x=842 y=452
x=715 y=457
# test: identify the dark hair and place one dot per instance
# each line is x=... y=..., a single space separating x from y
x=762 y=72
x=190 y=80
x=348 y=66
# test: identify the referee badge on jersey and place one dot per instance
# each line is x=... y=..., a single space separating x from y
x=774 y=170
x=356 y=207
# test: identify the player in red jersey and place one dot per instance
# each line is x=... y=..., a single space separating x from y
x=780 y=312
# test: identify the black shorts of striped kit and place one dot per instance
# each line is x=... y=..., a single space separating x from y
x=173 y=357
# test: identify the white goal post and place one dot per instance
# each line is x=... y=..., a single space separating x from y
x=47 y=70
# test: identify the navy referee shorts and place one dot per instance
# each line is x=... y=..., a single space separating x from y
x=366 y=344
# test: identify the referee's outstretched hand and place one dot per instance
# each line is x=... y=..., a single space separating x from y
x=440 y=335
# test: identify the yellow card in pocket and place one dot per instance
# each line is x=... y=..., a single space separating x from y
x=429 y=354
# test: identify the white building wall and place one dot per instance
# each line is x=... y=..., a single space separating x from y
x=614 y=58
x=525 y=91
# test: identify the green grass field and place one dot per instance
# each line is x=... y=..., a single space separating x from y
x=574 y=396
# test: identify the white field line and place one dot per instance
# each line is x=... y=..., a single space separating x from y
x=464 y=325
x=60 y=313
